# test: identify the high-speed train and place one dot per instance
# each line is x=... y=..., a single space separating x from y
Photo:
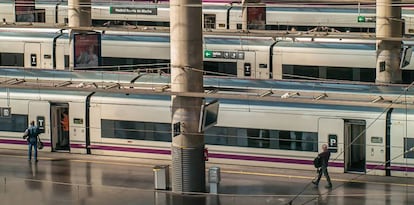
x=223 y=14
x=241 y=56
x=363 y=138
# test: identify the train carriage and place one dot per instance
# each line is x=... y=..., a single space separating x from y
x=363 y=139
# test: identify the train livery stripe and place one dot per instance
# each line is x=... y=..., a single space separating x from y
x=20 y=142
x=214 y=155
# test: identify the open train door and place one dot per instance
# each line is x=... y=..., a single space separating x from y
x=39 y=111
x=60 y=127
x=355 y=145
x=331 y=132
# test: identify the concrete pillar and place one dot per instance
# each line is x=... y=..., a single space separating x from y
x=79 y=15
x=244 y=15
x=188 y=165
x=388 y=25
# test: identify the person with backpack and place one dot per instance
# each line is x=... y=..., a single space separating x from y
x=323 y=163
x=32 y=134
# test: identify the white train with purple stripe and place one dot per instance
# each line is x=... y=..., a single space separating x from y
x=364 y=139
x=220 y=15
x=241 y=56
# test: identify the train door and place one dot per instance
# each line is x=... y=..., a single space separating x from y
x=331 y=132
x=354 y=146
x=246 y=65
x=60 y=127
x=39 y=111
x=32 y=57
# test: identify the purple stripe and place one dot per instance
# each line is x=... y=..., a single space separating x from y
x=270 y=159
x=132 y=149
x=20 y=142
x=213 y=155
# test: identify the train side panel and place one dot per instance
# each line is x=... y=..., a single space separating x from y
x=402 y=140
x=8 y=11
x=12 y=131
x=77 y=127
x=108 y=112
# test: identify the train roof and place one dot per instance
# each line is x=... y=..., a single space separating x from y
x=227 y=40
x=321 y=9
x=217 y=82
x=27 y=34
x=327 y=45
x=141 y=37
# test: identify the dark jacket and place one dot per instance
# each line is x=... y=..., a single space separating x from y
x=325 y=157
x=32 y=134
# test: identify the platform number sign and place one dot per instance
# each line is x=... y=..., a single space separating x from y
x=333 y=143
x=33 y=60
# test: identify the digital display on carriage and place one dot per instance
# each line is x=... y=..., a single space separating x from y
x=87 y=49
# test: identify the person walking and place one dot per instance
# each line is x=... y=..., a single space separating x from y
x=32 y=134
x=324 y=157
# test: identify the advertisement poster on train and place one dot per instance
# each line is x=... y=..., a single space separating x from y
x=87 y=50
x=25 y=10
x=256 y=17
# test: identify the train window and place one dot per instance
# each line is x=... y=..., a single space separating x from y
x=12 y=59
x=17 y=123
x=300 y=72
x=322 y=72
x=407 y=76
x=258 y=138
x=136 y=63
x=25 y=11
x=224 y=68
x=40 y=15
x=136 y=130
x=226 y=136
x=262 y=138
x=408 y=144
x=209 y=21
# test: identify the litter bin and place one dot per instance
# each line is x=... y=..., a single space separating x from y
x=161 y=177
x=214 y=179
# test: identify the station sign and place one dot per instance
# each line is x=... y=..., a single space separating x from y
x=363 y=19
x=41 y=123
x=5 y=112
x=333 y=143
x=224 y=55
x=133 y=10
x=33 y=60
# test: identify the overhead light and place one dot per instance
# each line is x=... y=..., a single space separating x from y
x=379 y=98
x=266 y=93
x=63 y=84
x=288 y=95
x=115 y=85
x=17 y=81
x=324 y=95
x=212 y=91
x=163 y=88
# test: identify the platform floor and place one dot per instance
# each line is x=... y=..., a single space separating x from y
x=63 y=178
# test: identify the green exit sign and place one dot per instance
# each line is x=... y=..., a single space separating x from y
x=208 y=54
x=361 y=18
